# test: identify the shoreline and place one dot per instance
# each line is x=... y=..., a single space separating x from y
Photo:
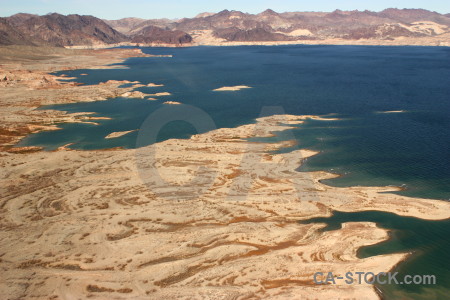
x=106 y=218
x=418 y=42
x=130 y=90
x=29 y=85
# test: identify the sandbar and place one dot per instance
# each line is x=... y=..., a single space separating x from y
x=119 y=134
x=392 y=112
x=232 y=88
x=172 y=102
x=162 y=94
x=154 y=85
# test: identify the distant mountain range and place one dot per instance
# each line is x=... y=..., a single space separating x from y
x=226 y=27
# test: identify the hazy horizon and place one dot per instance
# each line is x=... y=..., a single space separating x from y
x=171 y=9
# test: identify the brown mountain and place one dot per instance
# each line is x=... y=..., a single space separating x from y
x=19 y=18
x=60 y=30
x=414 y=15
x=11 y=36
x=124 y=25
x=388 y=24
x=152 y=34
x=272 y=26
x=131 y=26
x=222 y=20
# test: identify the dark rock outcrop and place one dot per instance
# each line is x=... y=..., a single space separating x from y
x=155 y=35
x=253 y=35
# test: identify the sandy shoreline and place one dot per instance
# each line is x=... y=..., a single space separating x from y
x=213 y=216
x=205 y=38
x=26 y=85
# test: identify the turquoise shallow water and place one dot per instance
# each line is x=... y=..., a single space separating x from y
x=354 y=83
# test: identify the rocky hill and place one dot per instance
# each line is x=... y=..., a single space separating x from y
x=155 y=35
x=9 y=35
x=60 y=30
x=131 y=26
x=236 y=26
x=415 y=15
x=57 y=30
x=125 y=25
x=19 y=18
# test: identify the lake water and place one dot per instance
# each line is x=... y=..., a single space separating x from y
x=427 y=240
x=357 y=84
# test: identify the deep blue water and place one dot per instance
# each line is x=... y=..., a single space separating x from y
x=410 y=149
x=353 y=83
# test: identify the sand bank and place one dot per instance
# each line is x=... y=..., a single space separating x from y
x=232 y=88
x=392 y=112
x=117 y=134
x=154 y=85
